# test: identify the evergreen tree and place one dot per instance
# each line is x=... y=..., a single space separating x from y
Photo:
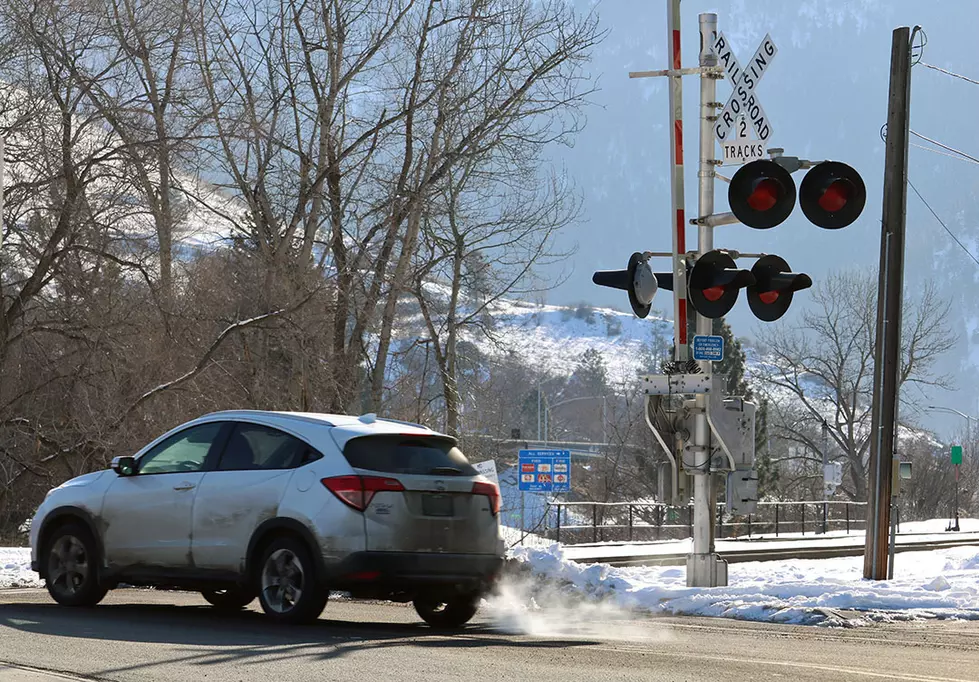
x=590 y=376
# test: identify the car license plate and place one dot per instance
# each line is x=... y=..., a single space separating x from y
x=437 y=505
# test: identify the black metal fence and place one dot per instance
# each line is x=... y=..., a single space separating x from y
x=583 y=522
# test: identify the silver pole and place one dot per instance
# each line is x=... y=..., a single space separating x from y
x=825 y=463
x=702 y=568
x=890 y=549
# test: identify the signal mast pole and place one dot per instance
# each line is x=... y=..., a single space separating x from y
x=704 y=567
x=762 y=194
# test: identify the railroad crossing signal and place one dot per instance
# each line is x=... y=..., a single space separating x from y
x=639 y=280
x=714 y=283
x=771 y=294
x=832 y=195
x=761 y=194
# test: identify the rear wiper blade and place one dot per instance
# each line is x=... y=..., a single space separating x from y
x=445 y=470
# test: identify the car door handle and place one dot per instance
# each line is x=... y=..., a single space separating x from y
x=184 y=486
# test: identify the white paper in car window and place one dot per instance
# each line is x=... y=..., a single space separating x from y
x=488 y=469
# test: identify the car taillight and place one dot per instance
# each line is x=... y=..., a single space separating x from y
x=358 y=491
x=491 y=491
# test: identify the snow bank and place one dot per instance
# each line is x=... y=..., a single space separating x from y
x=15 y=568
x=935 y=584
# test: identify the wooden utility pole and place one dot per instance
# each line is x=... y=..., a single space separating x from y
x=887 y=358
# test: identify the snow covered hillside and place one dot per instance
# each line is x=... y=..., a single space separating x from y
x=552 y=337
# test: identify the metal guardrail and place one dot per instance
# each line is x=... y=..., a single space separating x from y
x=647 y=521
x=763 y=551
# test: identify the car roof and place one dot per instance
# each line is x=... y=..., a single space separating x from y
x=364 y=423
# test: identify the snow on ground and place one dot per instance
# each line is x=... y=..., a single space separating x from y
x=15 y=568
x=934 y=584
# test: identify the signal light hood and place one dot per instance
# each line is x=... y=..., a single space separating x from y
x=771 y=294
x=714 y=283
x=832 y=195
x=761 y=194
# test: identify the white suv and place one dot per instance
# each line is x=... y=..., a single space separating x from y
x=284 y=506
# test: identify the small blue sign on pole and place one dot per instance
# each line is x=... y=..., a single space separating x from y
x=544 y=471
x=708 y=348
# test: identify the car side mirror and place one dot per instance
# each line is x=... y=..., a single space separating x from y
x=124 y=465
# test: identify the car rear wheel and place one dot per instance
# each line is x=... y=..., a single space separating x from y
x=233 y=599
x=451 y=614
x=288 y=589
x=72 y=567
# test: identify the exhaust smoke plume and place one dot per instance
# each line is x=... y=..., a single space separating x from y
x=525 y=606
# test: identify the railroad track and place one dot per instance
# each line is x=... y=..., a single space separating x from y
x=734 y=555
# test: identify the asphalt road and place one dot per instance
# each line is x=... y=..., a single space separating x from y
x=149 y=635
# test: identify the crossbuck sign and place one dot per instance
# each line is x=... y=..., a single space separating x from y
x=743 y=100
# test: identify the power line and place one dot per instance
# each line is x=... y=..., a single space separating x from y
x=940 y=153
x=945 y=146
x=950 y=73
x=942 y=222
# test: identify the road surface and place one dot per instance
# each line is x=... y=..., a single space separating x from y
x=151 y=635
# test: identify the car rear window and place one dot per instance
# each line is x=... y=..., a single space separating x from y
x=396 y=454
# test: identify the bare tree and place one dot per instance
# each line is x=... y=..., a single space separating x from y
x=346 y=153
x=486 y=244
x=819 y=371
x=527 y=87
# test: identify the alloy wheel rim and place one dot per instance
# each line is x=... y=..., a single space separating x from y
x=68 y=566
x=283 y=580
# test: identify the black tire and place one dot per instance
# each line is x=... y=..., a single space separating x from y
x=288 y=589
x=72 y=564
x=233 y=599
x=451 y=614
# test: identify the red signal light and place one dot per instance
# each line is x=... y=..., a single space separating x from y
x=832 y=195
x=761 y=194
x=714 y=282
x=835 y=197
x=765 y=195
x=713 y=293
x=771 y=294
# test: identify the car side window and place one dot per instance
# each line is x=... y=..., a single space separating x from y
x=254 y=447
x=182 y=452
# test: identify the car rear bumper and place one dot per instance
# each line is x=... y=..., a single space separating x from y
x=414 y=572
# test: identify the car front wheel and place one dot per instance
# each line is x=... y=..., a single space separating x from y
x=72 y=567
x=288 y=589
x=450 y=614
